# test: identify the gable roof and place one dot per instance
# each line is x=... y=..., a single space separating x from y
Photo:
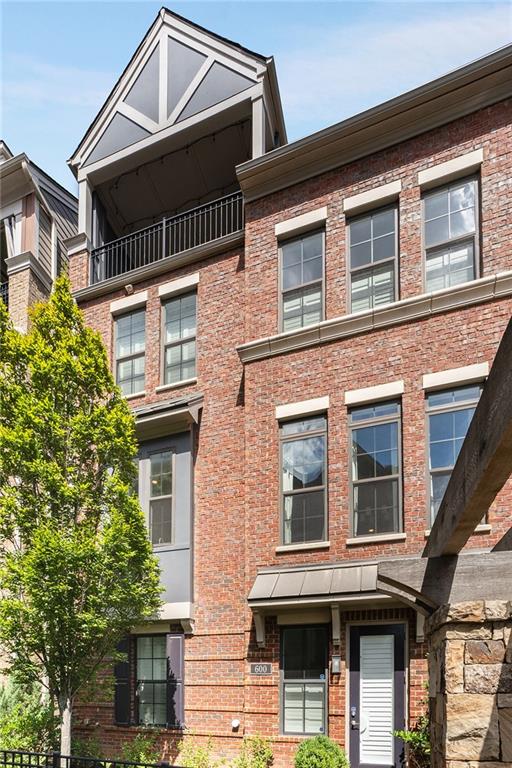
x=178 y=70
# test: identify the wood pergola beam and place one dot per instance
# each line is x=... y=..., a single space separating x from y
x=484 y=463
x=450 y=579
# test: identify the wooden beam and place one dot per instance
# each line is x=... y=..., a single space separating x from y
x=484 y=463
x=450 y=579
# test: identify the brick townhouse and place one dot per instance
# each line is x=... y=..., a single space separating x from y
x=303 y=331
x=36 y=215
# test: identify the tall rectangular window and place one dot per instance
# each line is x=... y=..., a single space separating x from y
x=449 y=415
x=302 y=277
x=376 y=468
x=303 y=479
x=130 y=345
x=373 y=259
x=160 y=498
x=303 y=679
x=180 y=338
x=451 y=234
x=151 y=690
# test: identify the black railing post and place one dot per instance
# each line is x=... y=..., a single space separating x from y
x=55 y=759
x=163 y=237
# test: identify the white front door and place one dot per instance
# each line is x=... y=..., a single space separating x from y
x=376 y=694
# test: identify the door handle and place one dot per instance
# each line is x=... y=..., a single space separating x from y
x=354 y=725
x=353 y=722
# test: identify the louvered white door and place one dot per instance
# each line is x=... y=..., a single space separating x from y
x=376 y=700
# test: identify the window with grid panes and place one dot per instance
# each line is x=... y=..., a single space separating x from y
x=302 y=276
x=130 y=345
x=376 y=468
x=373 y=259
x=449 y=414
x=303 y=479
x=151 y=690
x=303 y=680
x=160 y=498
x=450 y=234
x=180 y=338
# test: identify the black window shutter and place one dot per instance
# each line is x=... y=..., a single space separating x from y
x=175 y=664
x=122 y=685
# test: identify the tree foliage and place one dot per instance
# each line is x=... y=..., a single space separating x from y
x=76 y=566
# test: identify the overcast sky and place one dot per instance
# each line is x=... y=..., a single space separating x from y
x=60 y=59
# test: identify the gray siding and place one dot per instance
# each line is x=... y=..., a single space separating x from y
x=176 y=558
x=45 y=240
x=66 y=222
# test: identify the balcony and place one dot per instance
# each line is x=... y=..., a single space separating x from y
x=4 y=293
x=168 y=237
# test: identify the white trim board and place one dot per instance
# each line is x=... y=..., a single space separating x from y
x=374 y=394
x=129 y=302
x=298 y=224
x=179 y=285
x=451 y=169
x=373 y=198
x=468 y=374
x=302 y=408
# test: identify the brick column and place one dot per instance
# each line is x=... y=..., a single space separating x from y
x=78 y=250
x=470 y=684
x=28 y=284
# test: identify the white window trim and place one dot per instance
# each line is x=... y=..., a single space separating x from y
x=303 y=408
x=374 y=394
x=451 y=169
x=302 y=223
x=178 y=286
x=129 y=302
x=372 y=198
x=468 y=374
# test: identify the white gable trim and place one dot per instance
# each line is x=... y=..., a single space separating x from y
x=165 y=26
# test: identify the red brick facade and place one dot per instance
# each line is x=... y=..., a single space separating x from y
x=236 y=507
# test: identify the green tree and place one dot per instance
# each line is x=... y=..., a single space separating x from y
x=76 y=566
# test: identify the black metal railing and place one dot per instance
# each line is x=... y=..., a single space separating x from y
x=4 y=293
x=19 y=759
x=168 y=237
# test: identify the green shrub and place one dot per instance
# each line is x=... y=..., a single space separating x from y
x=256 y=752
x=320 y=752
x=417 y=743
x=194 y=755
x=89 y=746
x=27 y=721
x=142 y=749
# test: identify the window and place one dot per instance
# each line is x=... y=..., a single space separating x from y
x=376 y=469
x=303 y=479
x=451 y=225
x=149 y=681
x=160 y=498
x=302 y=275
x=130 y=344
x=151 y=687
x=449 y=415
x=373 y=259
x=180 y=338
x=303 y=679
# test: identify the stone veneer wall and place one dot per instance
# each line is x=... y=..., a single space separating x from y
x=470 y=684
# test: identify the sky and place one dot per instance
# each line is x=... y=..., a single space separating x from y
x=59 y=60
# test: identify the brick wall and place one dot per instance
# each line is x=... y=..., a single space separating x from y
x=236 y=523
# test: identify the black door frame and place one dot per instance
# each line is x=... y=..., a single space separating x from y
x=398 y=630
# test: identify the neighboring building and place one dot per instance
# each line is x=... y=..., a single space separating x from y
x=36 y=215
x=303 y=331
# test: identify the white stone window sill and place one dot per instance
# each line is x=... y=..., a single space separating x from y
x=302 y=547
x=484 y=528
x=135 y=394
x=176 y=384
x=377 y=539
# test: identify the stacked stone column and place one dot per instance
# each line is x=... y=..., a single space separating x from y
x=470 y=684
